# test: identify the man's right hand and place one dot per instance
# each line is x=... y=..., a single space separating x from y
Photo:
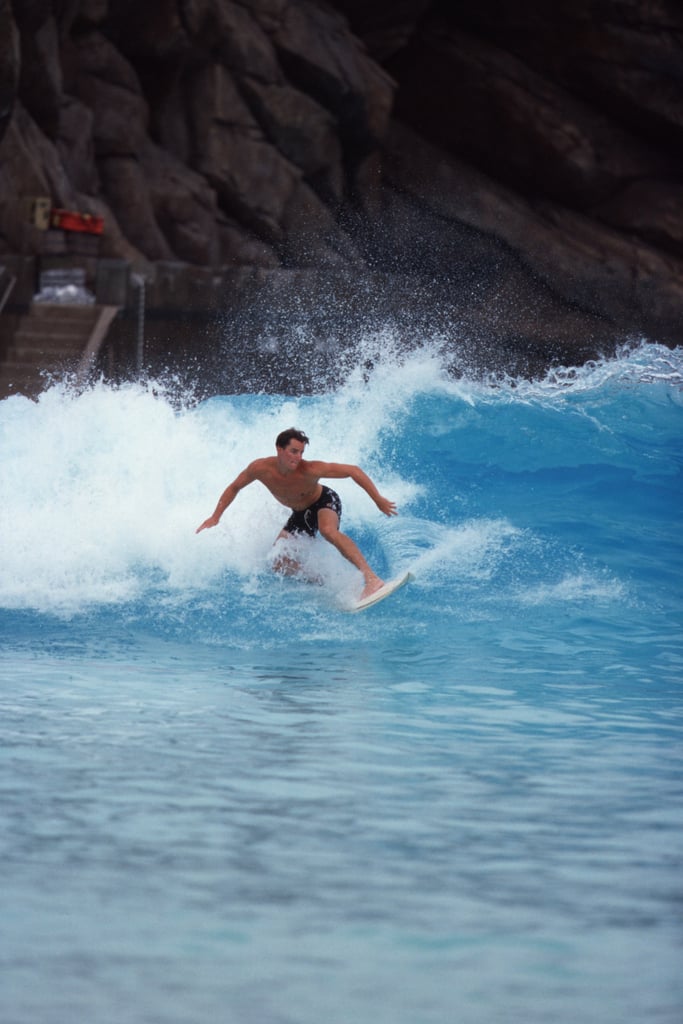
x=211 y=521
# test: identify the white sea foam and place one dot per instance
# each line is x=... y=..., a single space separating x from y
x=102 y=490
x=574 y=588
x=434 y=552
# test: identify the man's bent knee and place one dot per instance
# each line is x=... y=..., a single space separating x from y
x=330 y=533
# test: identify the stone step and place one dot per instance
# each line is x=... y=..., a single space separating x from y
x=34 y=356
x=24 y=373
x=43 y=311
x=30 y=337
x=23 y=382
x=50 y=339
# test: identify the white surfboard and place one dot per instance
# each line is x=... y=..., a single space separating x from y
x=385 y=591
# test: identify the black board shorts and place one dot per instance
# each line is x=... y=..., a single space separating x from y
x=307 y=520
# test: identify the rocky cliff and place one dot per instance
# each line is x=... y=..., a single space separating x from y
x=509 y=174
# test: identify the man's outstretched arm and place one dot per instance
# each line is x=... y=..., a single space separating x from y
x=246 y=477
x=341 y=471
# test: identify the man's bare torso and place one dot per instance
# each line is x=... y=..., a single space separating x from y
x=297 y=489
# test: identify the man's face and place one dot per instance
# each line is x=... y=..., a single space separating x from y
x=291 y=456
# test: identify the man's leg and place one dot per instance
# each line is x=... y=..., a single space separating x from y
x=285 y=565
x=328 y=524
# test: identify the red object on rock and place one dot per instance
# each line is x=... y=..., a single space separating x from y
x=68 y=220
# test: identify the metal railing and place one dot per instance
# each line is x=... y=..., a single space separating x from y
x=7 y=289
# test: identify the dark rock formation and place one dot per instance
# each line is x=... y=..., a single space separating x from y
x=509 y=173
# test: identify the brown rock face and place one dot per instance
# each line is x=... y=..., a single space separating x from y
x=10 y=62
x=576 y=102
x=518 y=164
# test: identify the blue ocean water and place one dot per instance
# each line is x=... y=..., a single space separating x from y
x=225 y=799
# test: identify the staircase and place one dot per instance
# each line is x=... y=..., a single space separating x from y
x=49 y=340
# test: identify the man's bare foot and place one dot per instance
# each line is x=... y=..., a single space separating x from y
x=372 y=585
x=284 y=566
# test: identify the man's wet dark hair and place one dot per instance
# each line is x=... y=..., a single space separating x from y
x=292 y=434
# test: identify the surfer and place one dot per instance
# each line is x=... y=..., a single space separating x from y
x=295 y=482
